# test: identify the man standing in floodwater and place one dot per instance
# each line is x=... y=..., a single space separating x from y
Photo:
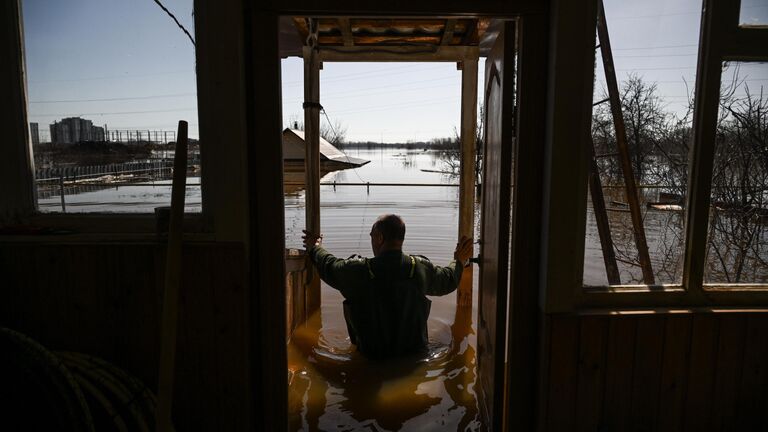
x=385 y=306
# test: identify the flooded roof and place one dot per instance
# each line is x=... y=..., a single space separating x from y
x=294 y=149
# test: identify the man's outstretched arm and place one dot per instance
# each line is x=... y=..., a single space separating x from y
x=444 y=280
x=336 y=272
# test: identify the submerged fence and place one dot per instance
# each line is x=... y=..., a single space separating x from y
x=74 y=173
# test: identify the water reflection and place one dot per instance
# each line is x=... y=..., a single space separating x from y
x=332 y=387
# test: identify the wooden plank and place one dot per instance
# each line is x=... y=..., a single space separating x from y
x=562 y=390
x=601 y=220
x=398 y=54
x=523 y=359
x=266 y=243
x=649 y=346
x=404 y=8
x=312 y=162
x=542 y=381
x=701 y=372
x=591 y=373
x=467 y=175
x=746 y=44
x=620 y=363
x=173 y=271
x=17 y=168
x=346 y=31
x=730 y=359
x=702 y=152
x=565 y=169
x=221 y=86
x=380 y=41
x=497 y=177
x=621 y=142
x=674 y=367
x=447 y=37
x=753 y=396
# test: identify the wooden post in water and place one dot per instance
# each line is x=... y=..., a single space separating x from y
x=169 y=318
x=61 y=192
x=621 y=142
x=312 y=163
x=467 y=178
x=601 y=220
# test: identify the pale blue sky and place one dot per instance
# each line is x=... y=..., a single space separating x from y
x=80 y=52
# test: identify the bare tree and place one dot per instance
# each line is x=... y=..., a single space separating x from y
x=738 y=239
x=335 y=133
x=645 y=121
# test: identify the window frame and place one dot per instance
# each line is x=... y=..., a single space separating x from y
x=219 y=75
x=721 y=38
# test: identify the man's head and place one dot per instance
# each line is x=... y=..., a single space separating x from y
x=387 y=233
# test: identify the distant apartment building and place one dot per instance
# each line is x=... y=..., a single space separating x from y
x=34 y=132
x=72 y=130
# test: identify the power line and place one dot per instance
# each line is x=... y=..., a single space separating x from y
x=115 y=112
x=356 y=76
x=173 y=17
x=361 y=94
x=115 y=99
x=656 y=55
x=110 y=77
x=337 y=136
x=378 y=71
x=654 y=47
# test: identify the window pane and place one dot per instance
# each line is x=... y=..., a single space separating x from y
x=753 y=12
x=108 y=81
x=654 y=46
x=738 y=230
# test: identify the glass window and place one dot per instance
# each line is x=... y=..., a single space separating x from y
x=737 y=250
x=754 y=12
x=654 y=48
x=108 y=82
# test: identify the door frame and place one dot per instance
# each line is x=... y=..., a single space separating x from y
x=263 y=125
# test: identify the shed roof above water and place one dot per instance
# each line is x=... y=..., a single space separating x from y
x=293 y=149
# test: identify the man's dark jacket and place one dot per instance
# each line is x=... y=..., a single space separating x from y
x=385 y=305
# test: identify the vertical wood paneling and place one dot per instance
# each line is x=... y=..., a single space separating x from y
x=753 y=391
x=674 y=367
x=591 y=374
x=730 y=357
x=666 y=372
x=620 y=358
x=649 y=345
x=104 y=300
x=701 y=372
x=563 y=374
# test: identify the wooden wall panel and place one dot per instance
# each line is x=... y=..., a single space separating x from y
x=618 y=373
x=591 y=376
x=674 y=364
x=646 y=379
x=752 y=407
x=701 y=372
x=105 y=300
x=563 y=370
x=664 y=371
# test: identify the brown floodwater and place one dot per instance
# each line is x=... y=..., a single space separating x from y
x=332 y=387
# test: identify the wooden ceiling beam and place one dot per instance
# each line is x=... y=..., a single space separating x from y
x=438 y=53
x=448 y=32
x=380 y=40
x=346 y=31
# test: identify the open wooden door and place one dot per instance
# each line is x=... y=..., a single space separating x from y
x=495 y=231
